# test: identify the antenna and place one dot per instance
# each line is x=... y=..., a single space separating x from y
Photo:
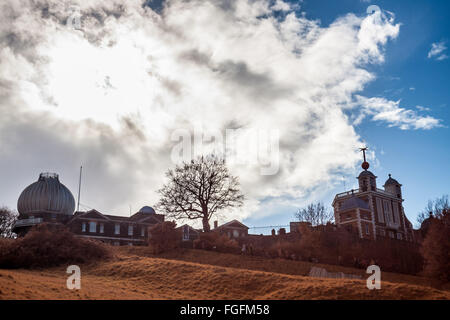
x=79 y=188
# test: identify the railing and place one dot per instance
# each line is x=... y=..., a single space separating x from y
x=28 y=222
x=385 y=192
x=347 y=193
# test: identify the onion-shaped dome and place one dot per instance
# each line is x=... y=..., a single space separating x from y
x=47 y=195
x=147 y=210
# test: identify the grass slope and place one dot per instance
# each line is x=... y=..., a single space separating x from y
x=131 y=276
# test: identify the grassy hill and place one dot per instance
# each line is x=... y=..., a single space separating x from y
x=193 y=274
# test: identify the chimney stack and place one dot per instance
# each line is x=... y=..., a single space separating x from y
x=215 y=224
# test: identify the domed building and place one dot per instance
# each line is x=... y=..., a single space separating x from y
x=46 y=200
x=372 y=212
x=49 y=201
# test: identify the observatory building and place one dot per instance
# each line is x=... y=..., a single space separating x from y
x=371 y=212
x=49 y=201
x=46 y=200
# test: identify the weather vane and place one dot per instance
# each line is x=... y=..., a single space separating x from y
x=365 y=165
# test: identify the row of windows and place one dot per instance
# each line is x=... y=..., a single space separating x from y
x=391 y=234
x=387 y=212
x=93 y=228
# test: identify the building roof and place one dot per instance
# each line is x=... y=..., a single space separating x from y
x=233 y=224
x=366 y=173
x=46 y=195
x=391 y=181
x=136 y=218
x=148 y=210
x=353 y=203
x=190 y=228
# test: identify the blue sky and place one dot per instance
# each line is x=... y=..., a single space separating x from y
x=112 y=93
x=418 y=159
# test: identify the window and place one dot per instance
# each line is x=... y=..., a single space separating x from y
x=117 y=228
x=367 y=229
x=130 y=243
x=380 y=211
x=396 y=213
x=142 y=231
x=382 y=232
x=387 y=211
x=83 y=227
x=102 y=228
x=186 y=233
x=92 y=226
x=235 y=233
x=391 y=234
x=130 y=230
x=116 y=243
x=399 y=236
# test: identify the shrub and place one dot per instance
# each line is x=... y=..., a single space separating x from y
x=217 y=242
x=49 y=245
x=164 y=237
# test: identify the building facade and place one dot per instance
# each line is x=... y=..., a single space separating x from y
x=115 y=230
x=49 y=201
x=233 y=229
x=372 y=212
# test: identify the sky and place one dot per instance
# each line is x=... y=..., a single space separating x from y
x=290 y=90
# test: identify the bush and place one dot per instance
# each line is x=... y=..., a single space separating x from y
x=49 y=245
x=164 y=237
x=337 y=246
x=217 y=242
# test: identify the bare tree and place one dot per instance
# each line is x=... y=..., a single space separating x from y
x=435 y=207
x=314 y=213
x=199 y=189
x=436 y=247
x=7 y=220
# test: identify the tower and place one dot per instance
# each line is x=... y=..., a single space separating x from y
x=394 y=187
x=366 y=179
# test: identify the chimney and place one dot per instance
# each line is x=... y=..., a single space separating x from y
x=215 y=224
x=273 y=232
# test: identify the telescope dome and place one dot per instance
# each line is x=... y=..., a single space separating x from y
x=47 y=195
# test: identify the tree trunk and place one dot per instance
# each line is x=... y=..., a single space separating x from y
x=206 y=227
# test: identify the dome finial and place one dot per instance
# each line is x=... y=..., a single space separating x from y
x=390 y=176
x=365 y=165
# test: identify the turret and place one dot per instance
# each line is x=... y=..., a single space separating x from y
x=393 y=186
x=367 y=180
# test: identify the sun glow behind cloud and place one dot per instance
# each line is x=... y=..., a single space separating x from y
x=119 y=89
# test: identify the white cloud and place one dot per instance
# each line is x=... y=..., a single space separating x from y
x=381 y=109
x=280 y=5
x=112 y=95
x=438 y=51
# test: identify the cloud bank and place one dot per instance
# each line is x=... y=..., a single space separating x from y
x=111 y=95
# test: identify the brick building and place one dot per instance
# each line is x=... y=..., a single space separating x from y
x=372 y=212
x=49 y=201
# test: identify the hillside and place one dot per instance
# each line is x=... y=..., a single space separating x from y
x=132 y=276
